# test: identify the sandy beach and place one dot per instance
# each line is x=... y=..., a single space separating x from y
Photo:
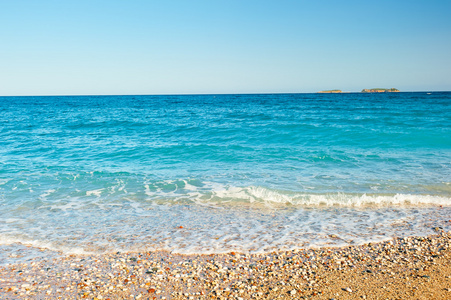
x=402 y=268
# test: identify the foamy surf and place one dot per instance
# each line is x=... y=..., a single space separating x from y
x=205 y=229
x=267 y=197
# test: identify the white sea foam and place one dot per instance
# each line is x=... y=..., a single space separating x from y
x=96 y=193
x=147 y=190
x=264 y=196
x=143 y=226
x=46 y=194
x=208 y=217
x=189 y=187
x=213 y=193
x=65 y=206
x=41 y=244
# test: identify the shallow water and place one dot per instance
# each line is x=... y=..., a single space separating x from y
x=249 y=173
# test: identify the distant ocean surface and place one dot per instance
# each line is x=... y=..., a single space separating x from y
x=221 y=173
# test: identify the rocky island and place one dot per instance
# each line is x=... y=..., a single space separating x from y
x=392 y=90
x=331 y=91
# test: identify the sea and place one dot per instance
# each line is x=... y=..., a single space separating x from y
x=250 y=173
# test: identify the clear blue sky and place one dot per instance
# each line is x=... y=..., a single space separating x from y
x=222 y=46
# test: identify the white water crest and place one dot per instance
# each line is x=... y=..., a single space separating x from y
x=254 y=223
x=264 y=196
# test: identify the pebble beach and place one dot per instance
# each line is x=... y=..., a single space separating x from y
x=402 y=268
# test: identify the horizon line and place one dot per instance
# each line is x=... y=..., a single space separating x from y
x=200 y=94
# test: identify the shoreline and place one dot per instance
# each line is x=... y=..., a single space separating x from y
x=401 y=268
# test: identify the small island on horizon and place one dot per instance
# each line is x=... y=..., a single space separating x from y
x=331 y=91
x=375 y=90
x=392 y=90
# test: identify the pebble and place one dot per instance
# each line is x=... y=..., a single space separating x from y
x=231 y=276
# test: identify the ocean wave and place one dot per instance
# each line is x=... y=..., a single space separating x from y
x=264 y=196
x=42 y=245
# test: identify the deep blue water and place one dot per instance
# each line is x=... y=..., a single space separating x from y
x=241 y=172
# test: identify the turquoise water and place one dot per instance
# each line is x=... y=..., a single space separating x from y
x=249 y=173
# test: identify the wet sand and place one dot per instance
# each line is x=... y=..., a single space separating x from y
x=403 y=268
